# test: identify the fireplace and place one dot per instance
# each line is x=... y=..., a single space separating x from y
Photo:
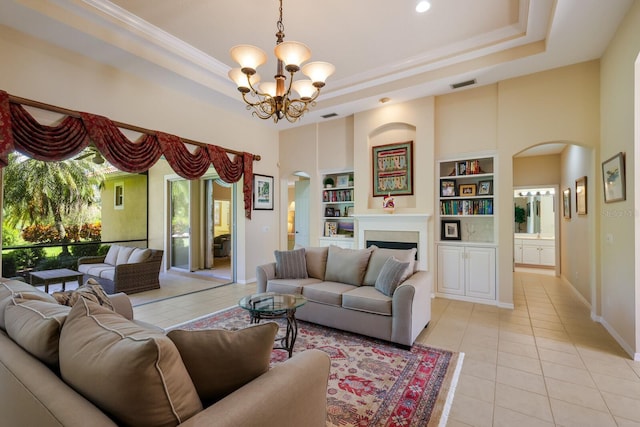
x=398 y=231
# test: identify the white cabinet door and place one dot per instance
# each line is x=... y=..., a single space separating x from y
x=530 y=253
x=480 y=272
x=517 y=251
x=548 y=253
x=451 y=270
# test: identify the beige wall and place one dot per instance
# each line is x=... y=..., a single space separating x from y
x=131 y=221
x=44 y=72
x=619 y=255
x=536 y=170
x=576 y=237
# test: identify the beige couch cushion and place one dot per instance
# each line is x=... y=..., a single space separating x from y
x=289 y=286
x=123 y=255
x=327 y=292
x=139 y=255
x=367 y=298
x=9 y=288
x=132 y=373
x=316 y=257
x=380 y=255
x=35 y=326
x=220 y=362
x=347 y=265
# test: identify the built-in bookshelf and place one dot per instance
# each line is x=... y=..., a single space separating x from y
x=337 y=209
x=466 y=249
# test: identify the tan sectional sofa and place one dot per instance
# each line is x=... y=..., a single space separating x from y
x=345 y=290
x=88 y=365
x=124 y=269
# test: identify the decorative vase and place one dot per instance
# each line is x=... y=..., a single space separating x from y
x=388 y=204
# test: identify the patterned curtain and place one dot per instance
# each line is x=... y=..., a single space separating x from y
x=19 y=131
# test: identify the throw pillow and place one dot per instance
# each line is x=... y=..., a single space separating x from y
x=220 y=362
x=112 y=255
x=390 y=276
x=380 y=255
x=133 y=373
x=35 y=326
x=139 y=255
x=347 y=265
x=92 y=290
x=12 y=288
x=291 y=264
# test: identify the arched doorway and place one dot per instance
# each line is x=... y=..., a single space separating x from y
x=563 y=165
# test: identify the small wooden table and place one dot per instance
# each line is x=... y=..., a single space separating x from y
x=55 y=276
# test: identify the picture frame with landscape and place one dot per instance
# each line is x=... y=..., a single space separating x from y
x=613 y=179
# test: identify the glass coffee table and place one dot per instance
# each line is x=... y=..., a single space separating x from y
x=272 y=305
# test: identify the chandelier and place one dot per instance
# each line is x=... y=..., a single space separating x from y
x=275 y=99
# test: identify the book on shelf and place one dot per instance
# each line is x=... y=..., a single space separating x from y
x=466 y=207
x=469 y=167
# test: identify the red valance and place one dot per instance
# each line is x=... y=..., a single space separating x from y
x=19 y=131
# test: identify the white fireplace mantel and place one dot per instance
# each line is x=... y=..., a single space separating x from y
x=396 y=222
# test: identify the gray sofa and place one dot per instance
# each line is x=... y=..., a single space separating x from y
x=342 y=289
x=124 y=269
x=36 y=392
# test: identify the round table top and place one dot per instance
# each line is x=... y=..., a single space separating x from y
x=272 y=302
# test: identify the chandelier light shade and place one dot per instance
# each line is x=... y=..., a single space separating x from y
x=276 y=100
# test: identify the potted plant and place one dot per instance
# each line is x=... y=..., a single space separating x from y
x=328 y=182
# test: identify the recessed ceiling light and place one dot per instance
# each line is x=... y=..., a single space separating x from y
x=423 y=6
x=384 y=100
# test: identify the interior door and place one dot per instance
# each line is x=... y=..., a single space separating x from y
x=302 y=192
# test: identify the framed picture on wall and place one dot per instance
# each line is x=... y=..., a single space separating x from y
x=581 y=196
x=393 y=169
x=262 y=192
x=613 y=179
x=566 y=203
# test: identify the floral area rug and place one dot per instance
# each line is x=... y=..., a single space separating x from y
x=372 y=382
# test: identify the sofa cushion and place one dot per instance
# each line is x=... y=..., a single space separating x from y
x=112 y=255
x=139 y=255
x=380 y=255
x=123 y=254
x=35 y=326
x=220 y=362
x=326 y=292
x=95 y=269
x=291 y=264
x=347 y=265
x=90 y=290
x=289 y=286
x=10 y=288
x=108 y=274
x=390 y=276
x=316 y=257
x=132 y=373
x=367 y=298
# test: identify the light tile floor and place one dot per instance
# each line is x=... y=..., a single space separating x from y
x=545 y=363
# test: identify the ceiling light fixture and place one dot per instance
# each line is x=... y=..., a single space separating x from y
x=423 y=6
x=275 y=99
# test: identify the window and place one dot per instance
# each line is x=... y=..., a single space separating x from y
x=118 y=195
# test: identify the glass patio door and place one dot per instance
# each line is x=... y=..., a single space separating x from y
x=180 y=227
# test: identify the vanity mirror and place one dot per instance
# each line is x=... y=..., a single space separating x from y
x=534 y=211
